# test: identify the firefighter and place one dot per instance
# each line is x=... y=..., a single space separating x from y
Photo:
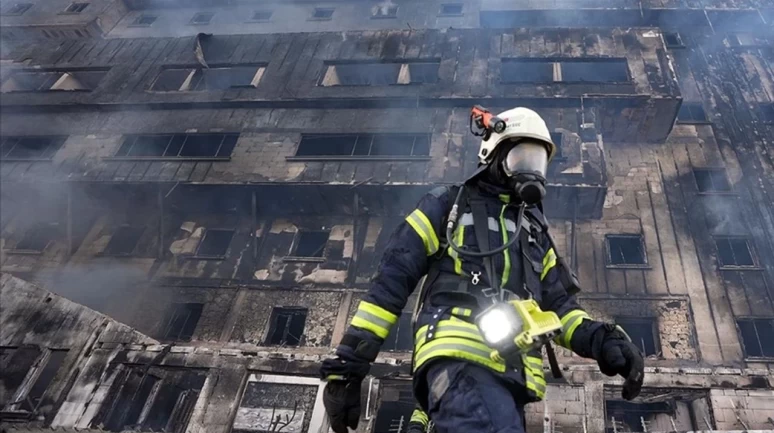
x=500 y=251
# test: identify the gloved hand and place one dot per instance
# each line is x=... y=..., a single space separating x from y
x=341 y=396
x=415 y=427
x=342 y=403
x=616 y=354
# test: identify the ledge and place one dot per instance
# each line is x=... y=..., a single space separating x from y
x=356 y=158
x=304 y=259
x=167 y=159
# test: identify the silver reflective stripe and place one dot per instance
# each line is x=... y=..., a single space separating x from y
x=368 y=317
x=428 y=233
x=423 y=353
x=535 y=383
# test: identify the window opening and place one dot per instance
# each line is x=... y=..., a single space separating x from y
x=514 y=71
x=623 y=416
x=76 y=8
x=595 y=71
x=691 y=112
x=643 y=332
x=451 y=9
x=215 y=243
x=145 y=20
x=202 y=18
x=385 y=11
x=311 y=243
x=322 y=13
x=18 y=9
x=767 y=112
x=124 y=241
x=734 y=252
x=673 y=40
x=181 y=321
x=287 y=326
x=215 y=78
x=626 y=250
x=38 y=237
x=53 y=363
x=364 y=145
x=26 y=148
x=757 y=337
x=711 y=180
x=264 y=15
x=178 y=146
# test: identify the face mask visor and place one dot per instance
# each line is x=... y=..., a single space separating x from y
x=526 y=157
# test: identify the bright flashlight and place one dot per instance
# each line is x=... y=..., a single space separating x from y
x=499 y=324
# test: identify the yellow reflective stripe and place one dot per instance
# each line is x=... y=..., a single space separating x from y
x=460 y=235
x=421 y=224
x=374 y=318
x=506 y=253
x=549 y=261
x=459 y=348
x=534 y=362
x=419 y=416
x=464 y=312
x=537 y=387
x=334 y=377
x=570 y=322
x=448 y=328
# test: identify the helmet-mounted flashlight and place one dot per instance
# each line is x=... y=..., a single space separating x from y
x=485 y=122
x=516 y=327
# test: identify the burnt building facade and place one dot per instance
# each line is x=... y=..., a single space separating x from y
x=218 y=180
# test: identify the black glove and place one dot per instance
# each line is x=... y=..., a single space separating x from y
x=415 y=427
x=616 y=355
x=342 y=403
x=341 y=397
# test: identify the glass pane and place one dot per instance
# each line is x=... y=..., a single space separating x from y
x=228 y=145
x=150 y=145
x=742 y=253
x=170 y=80
x=766 y=336
x=750 y=338
x=326 y=145
x=527 y=71
x=725 y=252
x=201 y=145
x=392 y=145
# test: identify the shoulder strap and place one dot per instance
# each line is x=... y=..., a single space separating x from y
x=481 y=227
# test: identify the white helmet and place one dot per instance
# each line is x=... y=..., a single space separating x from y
x=520 y=123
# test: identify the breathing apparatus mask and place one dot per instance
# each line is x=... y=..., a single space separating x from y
x=523 y=167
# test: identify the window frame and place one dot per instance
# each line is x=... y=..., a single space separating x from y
x=750 y=249
x=170 y=316
x=62 y=75
x=276 y=311
x=402 y=78
x=133 y=252
x=193 y=22
x=364 y=158
x=766 y=112
x=313 y=17
x=26 y=6
x=32 y=377
x=194 y=70
x=655 y=332
x=442 y=13
x=753 y=319
x=608 y=252
x=557 y=68
x=392 y=16
x=56 y=141
x=292 y=257
x=37 y=225
x=198 y=256
x=136 y=22
x=257 y=11
x=317 y=417
x=67 y=10
x=710 y=170
x=175 y=158
x=679 y=39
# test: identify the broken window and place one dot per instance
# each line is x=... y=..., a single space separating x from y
x=263 y=15
x=395 y=407
x=767 y=112
x=181 y=321
x=691 y=112
x=418 y=73
x=595 y=71
x=310 y=243
x=322 y=13
x=18 y=9
x=51 y=363
x=15 y=364
x=286 y=326
x=746 y=40
x=215 y=78
x=150 y=398
x=384 y=11
x=643 y=332
x=124 y=241
x=215 y=243
x=527 y=71
x=202 y=18
x=673 y=40
x=364 y=145
x=451 y=9
x=46 y=81
x=76 y=8
x=38 y=237
x=624 y=250
x=144 y=20
x=178 y=146
x=29 y=148
x=361 y=74
x=401 y=336
x=273 y=403
x=657 y=410
x=624 y=416
x=711 y=180
x=757 y=337
x=734 y=252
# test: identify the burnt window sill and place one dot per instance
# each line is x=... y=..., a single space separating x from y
x=168 y=159
x=25 y=159
x=356 y=158
x=24 y=252
x=740 y=268
x=199 y=92
x=206 y=257
x=50 y=91
x=117 y=255
x=304 y=259
x=644 y=267
x=387 y=17
x=693 y=122
x=320 y=19
x=728 y=193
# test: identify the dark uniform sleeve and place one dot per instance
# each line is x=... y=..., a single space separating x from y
x=577 y=326
x=404 y=263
